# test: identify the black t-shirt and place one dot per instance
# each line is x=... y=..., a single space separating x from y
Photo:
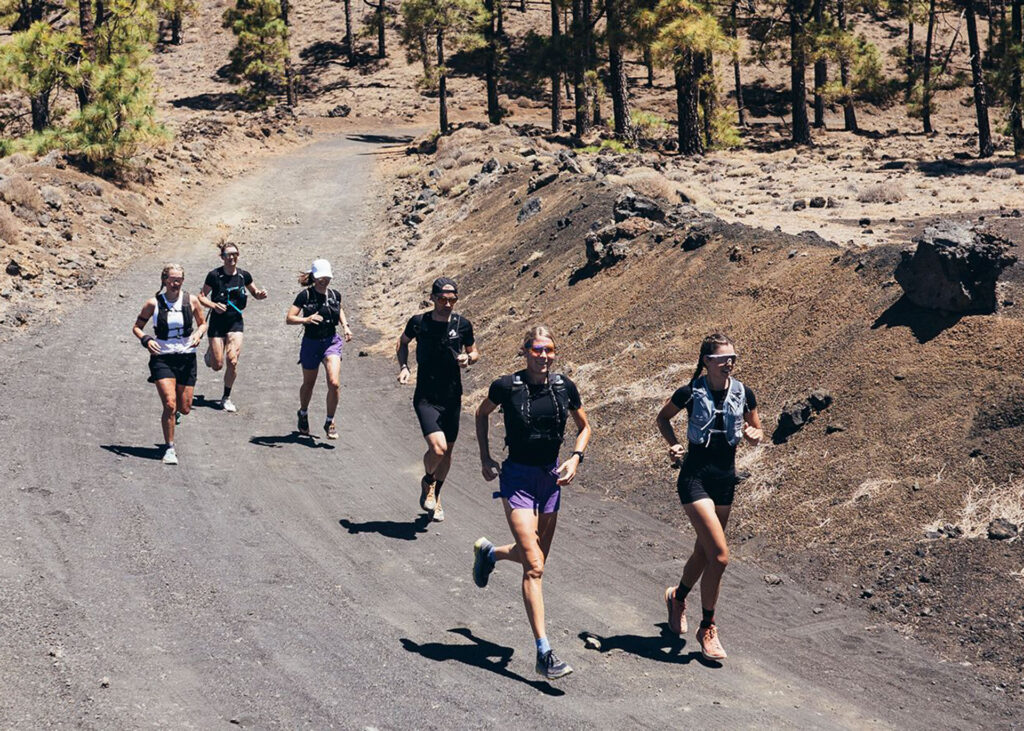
x=718 y=454
x=310 y=301
x=226 y=288
x=438 y=344
x=544 y=419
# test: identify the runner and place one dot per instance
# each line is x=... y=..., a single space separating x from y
x=224 y=292
x=444 y=344
x=179 y=325
x=536 y=404
x=318 y=309
x=722 y=411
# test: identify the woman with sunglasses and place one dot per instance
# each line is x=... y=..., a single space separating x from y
x=536 y=404
x=722 y=412
x=178 y=327
x=318 y=309
x=225 y=294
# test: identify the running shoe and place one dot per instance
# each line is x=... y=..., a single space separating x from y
x=676 y=612
x=170 y=457
x=483 y=564
x=710 y=646
x=177 y=418
x=551 y=667
x=438 y=513
x=303 y=423
x=427 y=500
x=226 y=405
x=330 y=429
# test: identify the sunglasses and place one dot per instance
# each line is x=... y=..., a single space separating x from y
x=542 y=349
x=448 y=298
x=229 y=255
x=175 y=280
x=724 y=358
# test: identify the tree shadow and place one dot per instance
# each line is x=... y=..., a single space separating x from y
x=666 y=647
x=323 y=53
x=924 y=324
x=381 y=139
x=940 y=168
x=227 y=101
x=478 y=655
x=389 y=528
x=156 y=452
x=277 y=441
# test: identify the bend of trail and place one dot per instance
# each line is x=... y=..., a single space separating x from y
x=272 y=581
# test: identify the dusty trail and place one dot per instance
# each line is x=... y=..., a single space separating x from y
x=271 y=584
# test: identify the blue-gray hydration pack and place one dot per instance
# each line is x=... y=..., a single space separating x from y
x=705 y=413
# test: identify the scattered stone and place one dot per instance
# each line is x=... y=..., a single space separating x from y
x=107 y=218
x=820 y=399
x=539 y=181
x=835 y=428
x=697 y=236
x=772 y=579
x=629 y=205
x=631 y=228
x=563 y=223
x=52 y=197
x=1002 y=529
x=491 y=166
x=818 y=202
x=413 y=219
x=342 y=110
x=793 y=417
x=864 y=222
x=799 y=204
x=363 y=354
x=89 y=187
x=591 y=642
x=735 y=254
x=818 y=610
x=105 y=682
x=530 y=208
x=867 y=594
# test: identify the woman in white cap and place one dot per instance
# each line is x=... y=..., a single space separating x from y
x=318 y=309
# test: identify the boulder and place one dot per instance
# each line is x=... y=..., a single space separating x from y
x=954 y=269
x=633 y=227
x=1001 y=529
x=540 y=180
x=342 y=110
x=530 y=208
x=629 y=205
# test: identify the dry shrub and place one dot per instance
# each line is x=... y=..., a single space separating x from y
x=409 y=171
x=1000 y=173
x=9 y=228
x=986 y=501
x=650 y=183
x=888 y=192
x=454 y=178
x=18 y=190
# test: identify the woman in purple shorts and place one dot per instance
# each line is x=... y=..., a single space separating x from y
x=318 y=309
x=536 y=404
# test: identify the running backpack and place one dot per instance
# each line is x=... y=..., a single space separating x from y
x=705 y=413
x=519 y=422
x=238 y=296
x=451 y=333
x=329 y=310
x=163 y=307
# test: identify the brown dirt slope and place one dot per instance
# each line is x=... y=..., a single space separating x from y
x=926 y=426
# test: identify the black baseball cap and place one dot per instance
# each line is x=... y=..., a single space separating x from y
x=441 y=284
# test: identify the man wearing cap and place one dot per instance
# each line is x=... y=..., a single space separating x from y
x=444 y=345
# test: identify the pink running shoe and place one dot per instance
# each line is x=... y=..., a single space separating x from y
x=676 y=612
x=710 y=646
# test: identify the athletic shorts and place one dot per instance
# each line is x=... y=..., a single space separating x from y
x=179 y=366
x=706 y=482
x=527 y=487
x=443 y=417
x=221 y=326
x=313 y=351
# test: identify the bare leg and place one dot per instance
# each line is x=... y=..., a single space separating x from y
x=332 y=370
x=533 y=534
x=216 y=353
x=437 y=449
x=709 y=523
x=165 y=388
x=183 y=395
x=306 y=391
x=231 y=353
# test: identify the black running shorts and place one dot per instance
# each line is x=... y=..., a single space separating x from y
x=704 y=483
x=443 y=417
x=179 y=366
x=220 y=325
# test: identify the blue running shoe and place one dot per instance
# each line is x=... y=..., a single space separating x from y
x=483 y=564
x=551 y=667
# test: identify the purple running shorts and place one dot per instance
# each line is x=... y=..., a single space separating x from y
x=313 y=351
x=530 y=488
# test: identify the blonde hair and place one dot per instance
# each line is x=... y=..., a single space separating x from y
x=168 y=268
x=537 y=331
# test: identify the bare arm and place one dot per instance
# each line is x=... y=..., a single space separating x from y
x=567 y=470
x=260 y=294
x=200 y=319
x=344 y=324
x=664 y=419
x=204 y=299
x=752 y=430
x=140 y=322
x=294 y=317
x=489 y=467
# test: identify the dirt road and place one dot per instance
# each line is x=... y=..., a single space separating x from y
x=270 y=581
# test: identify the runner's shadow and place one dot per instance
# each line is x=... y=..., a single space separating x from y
x=305 y=440
x=389 y=528
x=666 y=647
x=156 y=452
x=478 y=655
x=199 y=401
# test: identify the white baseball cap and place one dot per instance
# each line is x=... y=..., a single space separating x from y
x=321 y=268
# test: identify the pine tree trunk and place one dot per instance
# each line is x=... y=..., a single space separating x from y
x=820 y=71
x=442 y=85
x=617 y=72
x=289 y=79
x=985 y=147
x=556 y=74
x=175 y=28
x=1016 y=116
x=581 y=99
x=87 y=28
x=707 y=94
x=849 y=115
x=501 y=19
x=909 y=62
x=382 y=18
x=691 y=142
x=522 y=6
x=798 y=73
x=491 y=70
x=349 y=40
x=926 y=82
x=40 y=107
x=649 y=63
x=593 y=94
x=734 y=32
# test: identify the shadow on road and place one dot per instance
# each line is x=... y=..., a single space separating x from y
x=389 y=528
x=199 y=401
x=126 y=450
x=377 y=139
x=666 y=647
x=478 y=655
x=276 y=441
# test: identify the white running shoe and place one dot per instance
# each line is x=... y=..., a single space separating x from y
x=226 y=405
x=170 y=457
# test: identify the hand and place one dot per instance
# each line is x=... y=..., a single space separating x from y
x=463 y=360
x=403 y=375
x=153 y=347
x=261 y=294
x=315 y=319
x=219 y=307
x=567 y=470
x=676 y=452
x=348 y=334
x=753 y=434
x=193 y=342
x=489 y=468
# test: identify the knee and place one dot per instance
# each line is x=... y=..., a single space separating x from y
x=719 y=559
x=334 y=384
x=185 y=408
x=438 y=450
x=169 y=405
x=534 y=569
x=216 y=363
x=233 y=359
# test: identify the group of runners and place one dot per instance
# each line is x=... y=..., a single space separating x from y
x=536 y=403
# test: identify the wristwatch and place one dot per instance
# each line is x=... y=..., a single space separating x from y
x=579 y=454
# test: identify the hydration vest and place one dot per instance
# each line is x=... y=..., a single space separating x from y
x=163 y=307
x=519 y=423
x=329 y=310
x=238 y=296
x=451 y=332
x=705 y=413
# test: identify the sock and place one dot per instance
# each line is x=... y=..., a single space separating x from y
x=170 y=445
x=709 y=617
x=543 y=646
x=303 y=412
x=329 y=420
x=681 y=591
x=490 y=555
x=227 y=393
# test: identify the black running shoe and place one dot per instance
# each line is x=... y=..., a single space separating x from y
x=483 y=564
x=551 y=667
x=303 y=423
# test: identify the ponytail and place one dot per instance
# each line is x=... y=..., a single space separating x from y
x=306 y=278
x=707 y=347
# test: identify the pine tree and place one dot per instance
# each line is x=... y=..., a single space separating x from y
x=35 y=62
x=617 y=72
x=801 y=129
x=1015 y=57
x=985 y=146
x=174 y=12
x=262 y=47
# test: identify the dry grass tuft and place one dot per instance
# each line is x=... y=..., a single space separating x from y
x=454 y=178
x=1000 y=173
x=887 y=192
x=652 y=184
x=984 y=502
x=10 y=231
x=18 y=190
